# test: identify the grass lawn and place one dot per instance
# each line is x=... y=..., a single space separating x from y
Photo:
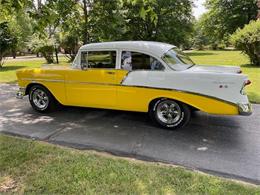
x=235 y=58
x=39 y=168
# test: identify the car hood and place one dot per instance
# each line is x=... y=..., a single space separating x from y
x=215 y=69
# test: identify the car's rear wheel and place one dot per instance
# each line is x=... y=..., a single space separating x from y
x=170 y=114
x=41 y=99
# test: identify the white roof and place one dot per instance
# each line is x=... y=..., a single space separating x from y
x=155 y=48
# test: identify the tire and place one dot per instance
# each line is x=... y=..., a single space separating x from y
x=170 y=114
x=41 y=99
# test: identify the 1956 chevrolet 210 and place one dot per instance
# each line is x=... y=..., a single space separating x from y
x=138 y=76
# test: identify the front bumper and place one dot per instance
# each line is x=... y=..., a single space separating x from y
x=20 y=93
x=245 y=109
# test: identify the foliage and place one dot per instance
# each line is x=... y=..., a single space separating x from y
x=248 y=40
x=224 y=17
x=43 y=45
x=69 y=42
x=47 y=52
x=106 y=21
x=9 y=8
x=200 y=40
x=14 y=13
x=158 y=20
x=7 y=41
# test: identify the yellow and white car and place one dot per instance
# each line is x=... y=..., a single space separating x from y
x=138 y=76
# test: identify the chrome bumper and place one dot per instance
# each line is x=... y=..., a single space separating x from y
x=20 y=93
x=245 y=109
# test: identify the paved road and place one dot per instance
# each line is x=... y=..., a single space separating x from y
x=226 y=146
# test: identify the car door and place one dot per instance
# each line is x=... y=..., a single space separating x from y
x=94 y=84
x=129 y=96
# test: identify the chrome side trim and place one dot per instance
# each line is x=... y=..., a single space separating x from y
x=122 y=85
x=45 y=80
x=91 y=83
x=183 y=91
x=147 y=87
x=125 y=77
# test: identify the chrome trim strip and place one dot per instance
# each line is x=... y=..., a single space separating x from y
x=91 y=83
x=122 y=85
x=184 y=91
x=147 y=87
x=46 y=80
x=125 y=77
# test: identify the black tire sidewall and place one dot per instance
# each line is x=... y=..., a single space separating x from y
x=184 y=119
x=51 y=99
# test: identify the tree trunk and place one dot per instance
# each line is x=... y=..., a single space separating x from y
x=258 y=14
x=85 y=33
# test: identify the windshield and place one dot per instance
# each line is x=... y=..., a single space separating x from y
x=177 y=59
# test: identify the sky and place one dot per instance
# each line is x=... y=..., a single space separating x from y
x=199 y=9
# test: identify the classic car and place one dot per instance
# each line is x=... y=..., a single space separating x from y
x=139 y=76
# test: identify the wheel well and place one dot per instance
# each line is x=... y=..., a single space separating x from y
x=30 y=86
x=156 y=99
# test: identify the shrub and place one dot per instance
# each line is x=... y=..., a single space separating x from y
x=248 y=40
x=47 y=52
x=42 y=45
x=70 y=44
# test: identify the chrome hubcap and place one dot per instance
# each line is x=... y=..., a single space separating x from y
x=40 y=99
x=168 y=112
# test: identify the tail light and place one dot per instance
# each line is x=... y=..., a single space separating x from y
x=248 y=82
x=243 y=91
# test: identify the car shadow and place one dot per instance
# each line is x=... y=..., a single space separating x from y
x=217 y=130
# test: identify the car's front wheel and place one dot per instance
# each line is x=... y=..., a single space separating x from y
x=170 y=114
x=41 y=99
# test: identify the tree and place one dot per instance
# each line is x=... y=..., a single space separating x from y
x=7 y=41
x=248 y=40
x=158 y=20
x=225 y=16
x=106 y=21
x=200 y=40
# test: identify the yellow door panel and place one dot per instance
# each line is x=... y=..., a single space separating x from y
x=91 y=87
x=120 y=75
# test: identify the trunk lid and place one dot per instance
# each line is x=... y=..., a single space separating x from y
x=215 y=69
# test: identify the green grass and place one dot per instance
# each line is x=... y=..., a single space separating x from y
x=234 y=58
x=40 y=168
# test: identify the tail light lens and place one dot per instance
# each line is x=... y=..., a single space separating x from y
x=248 y=82
x=243 y=91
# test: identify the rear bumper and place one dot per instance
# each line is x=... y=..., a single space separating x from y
x=20 y=93
x=245 y=109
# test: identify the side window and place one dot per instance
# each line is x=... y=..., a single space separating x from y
x=98 y=59
x=139 y=61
